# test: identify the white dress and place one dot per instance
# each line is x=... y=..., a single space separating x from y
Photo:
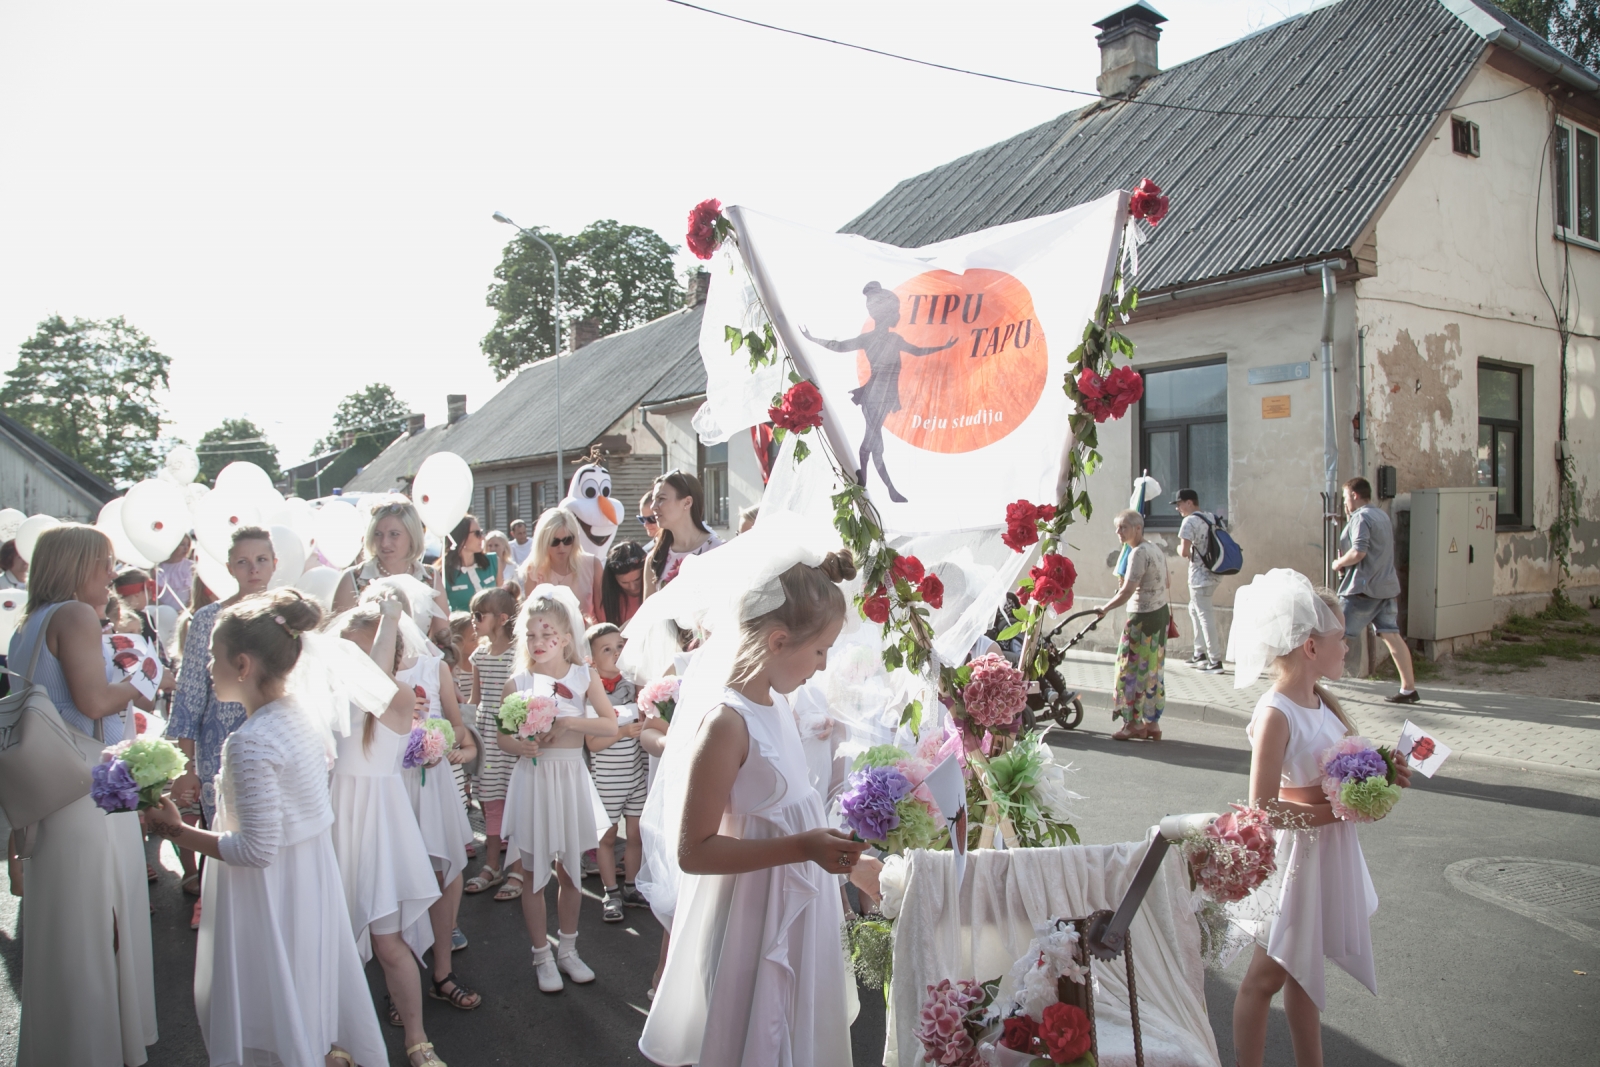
x=1326 y=897
x=436 y=797
x=756 y=973
x=388 y=880
x=277 y=979
x=553 y=810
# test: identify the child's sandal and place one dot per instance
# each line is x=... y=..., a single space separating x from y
x=429 y=1057
x=512 y=888
x=393 y=1012
x=341 y=1054
x=611 y=907
x=486 y=878
x=459 y=996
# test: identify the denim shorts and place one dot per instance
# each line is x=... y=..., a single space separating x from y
x=1363 y=611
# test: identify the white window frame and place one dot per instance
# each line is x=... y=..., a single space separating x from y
x=1570 y=233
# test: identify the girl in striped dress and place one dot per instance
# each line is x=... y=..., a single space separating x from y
x=494 y=614
x=619 y=770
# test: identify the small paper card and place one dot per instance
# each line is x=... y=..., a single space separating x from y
x=1422 y=750
x=129 y=657
x=626 y=713
x=949 y=791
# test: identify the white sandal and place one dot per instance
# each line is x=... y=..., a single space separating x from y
x=487 y=878
x=511 y=888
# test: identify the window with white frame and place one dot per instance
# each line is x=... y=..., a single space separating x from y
x=1577 y=180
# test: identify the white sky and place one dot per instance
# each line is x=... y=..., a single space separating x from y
x=293 y=199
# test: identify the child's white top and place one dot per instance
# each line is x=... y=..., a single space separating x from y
x=423 y=676
x=1312 y=731
x=573 y=704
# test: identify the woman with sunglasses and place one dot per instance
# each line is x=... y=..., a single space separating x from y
x=468 y=569
x=621 y=583
x=647 y=518
x=559 y=559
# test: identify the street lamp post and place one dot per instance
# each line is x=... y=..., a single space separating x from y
x=555 y=262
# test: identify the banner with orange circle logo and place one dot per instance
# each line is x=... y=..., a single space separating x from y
x=940 y=367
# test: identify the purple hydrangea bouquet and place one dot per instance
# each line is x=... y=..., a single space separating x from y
x=428 y=743
x=1358 y=778
x=132 y=774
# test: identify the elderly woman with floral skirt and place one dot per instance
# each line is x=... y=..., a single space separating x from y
x=1140 y=694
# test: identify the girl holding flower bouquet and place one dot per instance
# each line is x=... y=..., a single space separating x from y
x=1326 y=896
x=553 y=812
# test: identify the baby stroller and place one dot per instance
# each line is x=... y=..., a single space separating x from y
x=1050 y=701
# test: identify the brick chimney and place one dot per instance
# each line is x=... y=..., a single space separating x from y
x=415 y=424
x=699 y=286
x=585 y=332
x=1127 y=42
x=455 y=405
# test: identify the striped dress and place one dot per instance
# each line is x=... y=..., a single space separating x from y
x=493 y=670
x=619 y=768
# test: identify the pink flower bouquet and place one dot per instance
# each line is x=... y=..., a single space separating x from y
x=660 y=698
x=1232 y=856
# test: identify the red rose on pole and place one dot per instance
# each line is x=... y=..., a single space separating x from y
x=801 y=409
x=1111 y=396
x=1065 y=1032
x=1020 y=1032
x=703 y=238
x=908 y=567
x=876 y=606
x=1053 y=580
x=932 y=590
x=1147 y=202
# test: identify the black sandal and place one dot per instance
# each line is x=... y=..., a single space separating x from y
x=394 y=1012
x=459 y=996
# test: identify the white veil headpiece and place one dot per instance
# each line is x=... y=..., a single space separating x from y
x=714 y=593
x=567 y=601
x=414 y=624
x=1272 y=616
x=330 y=677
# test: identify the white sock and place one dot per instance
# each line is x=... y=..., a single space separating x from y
x=541 y=950
x=566 y=943
x=1407 y=692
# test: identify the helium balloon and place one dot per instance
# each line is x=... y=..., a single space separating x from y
x=319 y=584
x=291 y=553
x=245 y=478
x=217 y=515
x=182 y=464
x=156 y=518
x=215 y=575
x=109 y=523
x=12 y=603
x=442 y=491
x=10 y=519
x=294 y=513
x=338 y=530
x=28 y=533
x=194 y=491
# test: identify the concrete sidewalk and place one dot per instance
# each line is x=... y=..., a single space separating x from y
x=1537 y=732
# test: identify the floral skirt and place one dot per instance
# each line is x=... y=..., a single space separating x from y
x=1141 y=690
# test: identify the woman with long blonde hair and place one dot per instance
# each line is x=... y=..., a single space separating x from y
x=558 y=558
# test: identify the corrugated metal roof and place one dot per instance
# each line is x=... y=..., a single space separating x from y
x=599 y=384
x=1247 y=193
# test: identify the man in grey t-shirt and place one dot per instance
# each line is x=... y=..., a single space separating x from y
x=1368 y=584
x=1194 y=537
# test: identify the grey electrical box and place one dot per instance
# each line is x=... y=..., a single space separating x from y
x=1452 y=563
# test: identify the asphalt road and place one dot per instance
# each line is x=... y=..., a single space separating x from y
x=1463 y=981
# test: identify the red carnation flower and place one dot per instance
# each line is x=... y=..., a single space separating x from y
x=1065 y=1032
x=876 y=606
x=908 y=567
x=1147 y=202
x=801 y=409
x=932 y=590
x=1020 y=1033
x=702 y=235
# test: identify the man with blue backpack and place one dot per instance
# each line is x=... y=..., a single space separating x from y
x=1211 y=553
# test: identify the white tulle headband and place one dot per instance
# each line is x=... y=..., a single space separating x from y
x=1273 y=616
x=564 y=599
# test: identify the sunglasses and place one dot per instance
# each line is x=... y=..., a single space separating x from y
x=477 y=615
x=474 y=533
x=648 y=520
x=567 y=540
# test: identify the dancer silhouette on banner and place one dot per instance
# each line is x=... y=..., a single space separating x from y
x=881 y=394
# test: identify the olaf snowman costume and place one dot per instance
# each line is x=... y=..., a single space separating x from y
x=589 y=501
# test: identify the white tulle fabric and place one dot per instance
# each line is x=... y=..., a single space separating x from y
x=277 y=976
x=331 y=676
x=1324 y=893
x=382 y=857
x=1272 y=616
x=566 y=600
x=435 y=795
x=755 y=972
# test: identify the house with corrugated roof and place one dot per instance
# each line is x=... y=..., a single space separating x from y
x=1382 y=259
x=37 y=478
x=629 y=396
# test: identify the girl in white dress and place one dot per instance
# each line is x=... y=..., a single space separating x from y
x=755 y=973
x=553 y=812
x=277 y=977
x=1326 y=896
x=389 y=882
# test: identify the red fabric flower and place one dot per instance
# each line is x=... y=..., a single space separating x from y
x=1147 y=202
x=702 y=235
x=907 y=567
x=932 y=590
x=1020 y=1033
x=801 y=409
x=1053 y=580
x=1111 y=396
x=876 y=606
x=1065 y=1032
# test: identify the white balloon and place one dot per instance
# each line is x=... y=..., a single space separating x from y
x=294 y=513
x=109 y=522
x=10 y=519
x=291 y=553
x=182 y=464
x=246 y=478
x=216 y=576
x=28 y=533
x=194 y=491
x=217 y=515
x=442 y=491
x=12 y=604
x=319 y=583
x=156 y=518
x=338 y=530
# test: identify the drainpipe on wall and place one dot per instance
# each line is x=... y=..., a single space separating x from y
x=1330 y=439
x=644 y=417
x=1361 y=395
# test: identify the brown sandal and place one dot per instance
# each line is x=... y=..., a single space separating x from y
x=459 y=996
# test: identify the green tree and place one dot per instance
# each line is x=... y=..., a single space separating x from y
x=620 y=275
x=374 y=410
x=93 y=390
x=1571 y=25
x=236 y=440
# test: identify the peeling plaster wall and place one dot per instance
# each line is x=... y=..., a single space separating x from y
x=1460 y=250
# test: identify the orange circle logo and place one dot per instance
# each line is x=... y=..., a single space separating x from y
x=988 y=365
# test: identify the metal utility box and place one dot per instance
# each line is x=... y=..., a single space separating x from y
x=1452 y=563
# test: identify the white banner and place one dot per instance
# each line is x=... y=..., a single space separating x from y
x=940 y=367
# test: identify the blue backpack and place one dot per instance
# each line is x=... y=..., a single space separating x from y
x=1223 y=554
